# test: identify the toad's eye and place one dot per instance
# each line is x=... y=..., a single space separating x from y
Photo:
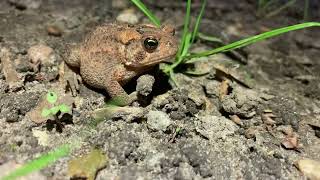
x=150 y=44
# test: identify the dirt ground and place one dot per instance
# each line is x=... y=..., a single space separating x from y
x=254 y=122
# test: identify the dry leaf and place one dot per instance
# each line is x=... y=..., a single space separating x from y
x=88 y=165
x=223 y=89
x=267 y=118
x=236 y=119
x=290 y=142
x=36 y=114
x=9 y=70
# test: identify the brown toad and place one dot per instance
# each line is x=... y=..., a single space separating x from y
x=114 y=53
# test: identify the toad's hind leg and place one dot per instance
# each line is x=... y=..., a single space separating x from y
x=69 y=78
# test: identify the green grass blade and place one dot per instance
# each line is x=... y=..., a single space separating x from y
x=277 y=11
x=195 y=73
x=147 y=12
x=187 y=44
x=196 y=27
x=209 y=38
x=180 y=59
x=306 y=10
x=254 y=39
x=185 y=28
x=39 y=163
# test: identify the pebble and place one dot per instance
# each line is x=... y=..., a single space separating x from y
x=215 y=127
x=250 y=133
x=145 y=84
x=26 y=4
x=158 y=120
x=54 y=30
x=41 y=54
x=120 y=4
x=185 y=171
x=212 y=88
x=128 y=16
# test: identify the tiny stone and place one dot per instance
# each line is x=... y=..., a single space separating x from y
x=250 y=133
x=158 y=120
x=54 y=30
x=145 y=84
x=26 y=4
x=41 y=54
x=128 y=16
x=177 y=115
x=212 y=88
x=120 y=4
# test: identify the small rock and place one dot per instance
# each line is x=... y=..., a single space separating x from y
x=158 y=120
x=145 y=84
x=310 y=168
x=214 y=127
x=212 y=88
x=26 y=4
x=236 y=119
x=242 y=102
x=120 y=4
x=250 y=133
x=185 y=172
x=128 y=16
x=198 y=98
x=161 y=100
x=54 y=30
x=42 y=136
x=177 y=115
x=153 y=161
x=41 y=54
x=191 y=107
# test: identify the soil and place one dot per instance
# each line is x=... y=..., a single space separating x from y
x=230 y=126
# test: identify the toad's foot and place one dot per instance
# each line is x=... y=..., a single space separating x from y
x=69 y=79
x=123 y=100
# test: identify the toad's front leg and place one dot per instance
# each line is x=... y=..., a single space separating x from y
x=118 y=94
x=114 y=88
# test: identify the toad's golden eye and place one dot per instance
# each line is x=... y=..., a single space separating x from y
x=150 y=44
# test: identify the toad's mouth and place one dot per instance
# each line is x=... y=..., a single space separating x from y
x=152 y=62
x=158 y=60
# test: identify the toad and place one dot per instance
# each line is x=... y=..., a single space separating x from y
x=113 y=54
